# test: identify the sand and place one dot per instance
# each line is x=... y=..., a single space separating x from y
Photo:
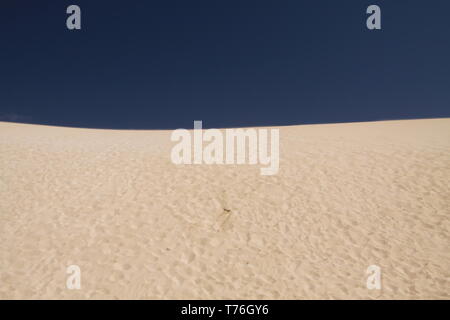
x=346 y=196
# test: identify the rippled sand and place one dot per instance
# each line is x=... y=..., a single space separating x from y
x=347 y=196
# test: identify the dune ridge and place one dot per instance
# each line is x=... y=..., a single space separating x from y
x=346 y=196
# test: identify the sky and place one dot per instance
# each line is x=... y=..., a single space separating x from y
x=163 y=64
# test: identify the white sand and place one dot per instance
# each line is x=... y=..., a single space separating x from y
x=347 y=196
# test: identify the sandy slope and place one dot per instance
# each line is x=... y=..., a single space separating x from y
x=347 y=196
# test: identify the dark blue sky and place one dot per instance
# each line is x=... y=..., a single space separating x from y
x=163 y=64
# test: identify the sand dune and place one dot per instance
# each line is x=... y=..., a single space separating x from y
x=346 y=196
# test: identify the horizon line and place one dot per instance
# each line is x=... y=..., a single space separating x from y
x=220 y=128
